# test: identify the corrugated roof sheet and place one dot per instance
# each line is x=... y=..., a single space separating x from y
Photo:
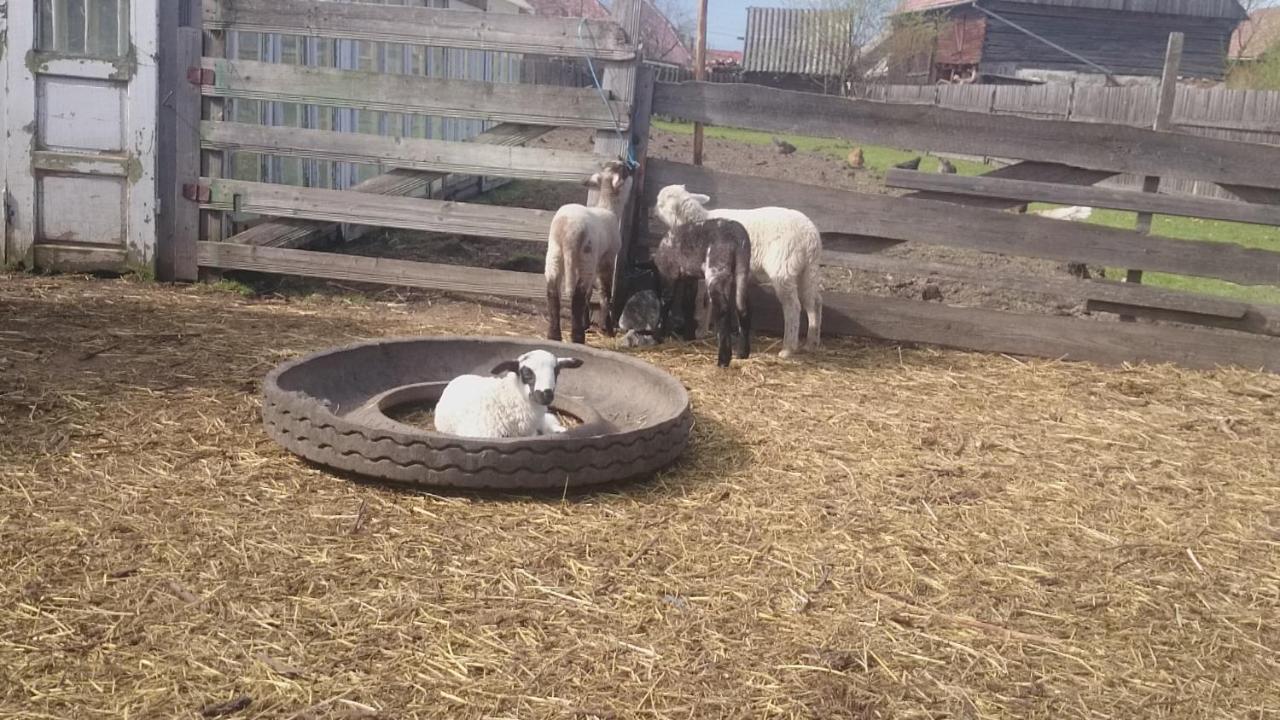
x=1197 y=8
x=799 y=41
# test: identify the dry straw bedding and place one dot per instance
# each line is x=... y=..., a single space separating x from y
x=872 y=532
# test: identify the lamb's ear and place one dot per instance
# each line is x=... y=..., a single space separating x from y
x=568 y=362
x=618 y=179
x=702 y=199
x=593 y=182
x=505 y=367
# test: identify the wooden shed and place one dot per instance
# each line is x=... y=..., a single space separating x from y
x=1016 y=39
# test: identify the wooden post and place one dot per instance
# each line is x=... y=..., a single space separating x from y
x=178 y=145
x=1164 y=115
x=699 y=73
x=620 y=83
x=213 y=162
x=635 y=221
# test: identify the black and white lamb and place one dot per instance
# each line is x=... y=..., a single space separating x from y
x=786 y=249
x=718 y=251
x=582 y=249
x=513 y=404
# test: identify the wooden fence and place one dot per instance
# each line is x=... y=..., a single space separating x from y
x=1245 y=115
x=1060 y=160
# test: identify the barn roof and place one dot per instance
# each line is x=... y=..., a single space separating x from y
x=1255 y=36
x=1229 y=9
x=797 y=40
x=657 y=30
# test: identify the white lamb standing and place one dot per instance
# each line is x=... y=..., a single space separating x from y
x=512 y=404
x=786 y=249
x=582 y=249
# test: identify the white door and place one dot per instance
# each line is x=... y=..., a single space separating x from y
x=80 y=113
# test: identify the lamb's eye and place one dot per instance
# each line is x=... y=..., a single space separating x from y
x=526 y=375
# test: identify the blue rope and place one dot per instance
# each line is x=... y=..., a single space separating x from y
x=630 y=159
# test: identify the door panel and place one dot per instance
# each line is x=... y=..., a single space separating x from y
x=78 y=114
x=82 y=80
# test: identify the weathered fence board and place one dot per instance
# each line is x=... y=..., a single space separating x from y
x=1026 y=170
x=912 y=321
x=407 y=153
x=942 y=223
x=1115 y=199
x=529 y=104
x=366 y=209
x=534 y=34
x=1116 y=148
x=385 y=271
x=292 y=233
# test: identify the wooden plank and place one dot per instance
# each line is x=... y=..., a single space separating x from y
x=495 y=32
x=178 y=220
x=1164 y=114
x=288 y=232
x=213 y=164
x=987 y=186
x=399 y=152
x=1064 y=287
x=1252 y=322
x=80 y=163
x=634 y=215
x=385 y=271
x=958 y=226
x=80 y=258
x=364 y=209
x=914 y=321
x=1026 y=170
x=501 y=102
x=1096 y=146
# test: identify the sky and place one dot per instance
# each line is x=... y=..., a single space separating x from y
x=727 y=21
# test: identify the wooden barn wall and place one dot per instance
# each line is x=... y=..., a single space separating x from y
x=961 y=37
x=1127 y=43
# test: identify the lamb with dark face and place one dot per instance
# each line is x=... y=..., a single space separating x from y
x=718 y=251
x=515 y=403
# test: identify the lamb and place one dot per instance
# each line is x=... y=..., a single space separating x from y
x=786 y=249
x=582 y=248
x=513 y=404
x=718 y=250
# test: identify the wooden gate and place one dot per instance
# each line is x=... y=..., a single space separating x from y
x=523 y=111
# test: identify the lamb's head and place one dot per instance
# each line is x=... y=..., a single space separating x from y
x=677 y=206
x=537 y=371
x=612 y=178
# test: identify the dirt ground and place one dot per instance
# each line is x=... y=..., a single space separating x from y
x=868 y=532
x=746 y=159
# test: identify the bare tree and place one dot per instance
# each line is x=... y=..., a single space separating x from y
x=666 y=25
x=849 y=37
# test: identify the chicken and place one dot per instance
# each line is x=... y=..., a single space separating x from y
x=783 y=147
x=912 y=164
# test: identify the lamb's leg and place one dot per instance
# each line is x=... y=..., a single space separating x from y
x=811 y=295
x=790 y=299
x=553 y=310
x=606 y=297
x=578 y=315
x=554 y=275
x=689 y=303
x=723 y=319
x=742 y=279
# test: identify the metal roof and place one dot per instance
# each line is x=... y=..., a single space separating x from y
x=799 y=41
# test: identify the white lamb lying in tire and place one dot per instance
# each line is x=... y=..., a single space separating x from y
x=513 y=404
x=786 y=249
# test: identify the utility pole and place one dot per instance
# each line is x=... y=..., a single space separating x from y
x=699 y=74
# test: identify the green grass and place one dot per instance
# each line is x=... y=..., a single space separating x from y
x=1251 y=236
x=878 y=159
